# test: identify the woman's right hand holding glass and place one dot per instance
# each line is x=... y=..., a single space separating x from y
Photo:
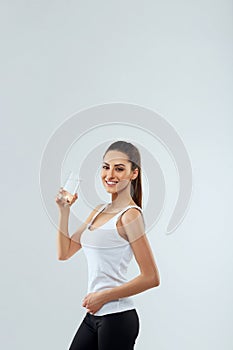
x=63 y=202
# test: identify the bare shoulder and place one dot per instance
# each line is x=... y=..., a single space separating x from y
x=133 y=224
x=132 y=215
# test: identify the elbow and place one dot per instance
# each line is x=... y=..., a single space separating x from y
x=157 y=283
x=154 y=281
x=151 y=280
x=62 y=257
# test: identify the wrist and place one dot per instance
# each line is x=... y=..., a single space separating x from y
x=64 y=211
x=107 y=295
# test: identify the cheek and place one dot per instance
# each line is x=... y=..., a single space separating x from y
x=123 y=183
x=124 y=175
x=102 y=173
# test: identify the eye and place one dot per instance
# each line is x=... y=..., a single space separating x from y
x=119 y=169
x=106 y=167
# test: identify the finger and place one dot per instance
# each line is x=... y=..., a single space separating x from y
x=73 y=200
x=74 y=197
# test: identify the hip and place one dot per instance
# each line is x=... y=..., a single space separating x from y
x=125 y=317
x=116 y=306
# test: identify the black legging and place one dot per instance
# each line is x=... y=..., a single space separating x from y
x=116 y=331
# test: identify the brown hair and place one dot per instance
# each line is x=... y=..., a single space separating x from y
x=134 y=157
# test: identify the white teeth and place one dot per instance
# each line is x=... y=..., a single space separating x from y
x=111 y=182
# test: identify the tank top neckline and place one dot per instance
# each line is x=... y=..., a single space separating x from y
x=100 y=211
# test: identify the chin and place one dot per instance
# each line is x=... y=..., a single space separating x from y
x=110 y=190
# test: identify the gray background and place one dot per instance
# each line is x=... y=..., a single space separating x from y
x=59 y=57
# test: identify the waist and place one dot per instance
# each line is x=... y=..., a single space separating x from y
x=102 y=281
x=122 y=304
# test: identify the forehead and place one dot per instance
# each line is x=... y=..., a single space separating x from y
x=113 y=156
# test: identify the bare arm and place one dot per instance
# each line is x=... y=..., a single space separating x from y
x=143 y=281
x=63 y=239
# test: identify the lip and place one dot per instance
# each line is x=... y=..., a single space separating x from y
x=111 y=185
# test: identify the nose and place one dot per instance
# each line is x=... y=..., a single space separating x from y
x=110 y=173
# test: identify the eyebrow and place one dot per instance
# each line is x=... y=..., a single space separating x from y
x=115 y=164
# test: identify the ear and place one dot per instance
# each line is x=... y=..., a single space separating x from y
x=135 y=174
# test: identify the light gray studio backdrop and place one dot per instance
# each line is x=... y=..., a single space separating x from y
x=174 y=57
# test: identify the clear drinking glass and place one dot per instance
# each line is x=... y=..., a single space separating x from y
x=70 y=186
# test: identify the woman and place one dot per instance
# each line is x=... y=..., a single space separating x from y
x=110 y=236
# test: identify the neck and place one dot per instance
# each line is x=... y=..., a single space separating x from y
x=120 y=201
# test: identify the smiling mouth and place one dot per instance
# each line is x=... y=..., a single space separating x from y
x=111 y=183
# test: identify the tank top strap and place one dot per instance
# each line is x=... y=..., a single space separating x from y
x=126 y=208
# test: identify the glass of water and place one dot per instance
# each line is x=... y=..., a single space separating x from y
x=70 y=187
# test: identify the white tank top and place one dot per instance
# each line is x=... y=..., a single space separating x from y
x=108 y=255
